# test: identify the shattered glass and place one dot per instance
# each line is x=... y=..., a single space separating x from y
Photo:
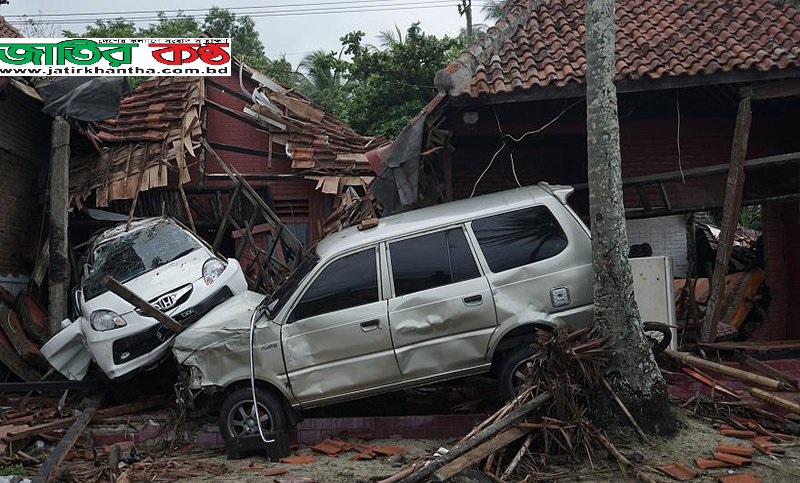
x=136 y=252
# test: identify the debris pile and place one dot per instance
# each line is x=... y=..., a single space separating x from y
x=23 y=328
x=546 y=423
x=351 y=210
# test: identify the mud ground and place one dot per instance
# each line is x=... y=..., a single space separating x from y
x=695 y=438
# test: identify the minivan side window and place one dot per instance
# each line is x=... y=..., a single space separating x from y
x=432 y=260
x=518 y=238
x=347 y=282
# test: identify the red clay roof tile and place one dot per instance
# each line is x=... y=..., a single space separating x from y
x=655 y=38
x=8 y=31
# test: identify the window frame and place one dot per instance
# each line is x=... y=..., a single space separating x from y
x=290 y=317
x=476 y=256
x=485 y=263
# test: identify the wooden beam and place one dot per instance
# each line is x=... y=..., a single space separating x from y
x=478 y=438
x=730 y=221
x=243 y=150
x=739 y=374
x=49 y=470
x=773 y=90
x=480 y=452
x=58 y=276
x=775 y=400
x=148 y=310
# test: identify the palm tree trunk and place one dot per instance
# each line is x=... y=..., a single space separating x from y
x=632 y=371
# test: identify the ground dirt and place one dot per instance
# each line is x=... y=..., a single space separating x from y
x=695 y=438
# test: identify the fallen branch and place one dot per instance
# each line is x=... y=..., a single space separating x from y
x=514 y=462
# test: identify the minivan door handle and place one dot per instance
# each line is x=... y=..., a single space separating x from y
x=473 y=300
x=370 y=325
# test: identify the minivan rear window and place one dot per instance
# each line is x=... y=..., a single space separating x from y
x=517 y=238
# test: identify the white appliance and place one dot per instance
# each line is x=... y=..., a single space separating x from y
x=652 y=288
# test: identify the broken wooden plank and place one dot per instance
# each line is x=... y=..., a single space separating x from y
x=478 y=438
x=774 y=400
x=49 y=469
x=722 y=369
x=148 y=310
x=731 y=208
x=479 y=452
x=107 y=413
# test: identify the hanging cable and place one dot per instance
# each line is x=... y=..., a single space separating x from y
x=475 y=186
x=537 y=131
x=678 y=137
x=253 y=319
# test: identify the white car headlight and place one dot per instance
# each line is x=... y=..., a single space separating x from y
x=103 y=320
x=212 y=269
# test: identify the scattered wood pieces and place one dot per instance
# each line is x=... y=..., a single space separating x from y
x=723 y=369
x=478 y=453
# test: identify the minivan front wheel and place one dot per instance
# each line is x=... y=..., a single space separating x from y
x=237 y=418
x=514 y=371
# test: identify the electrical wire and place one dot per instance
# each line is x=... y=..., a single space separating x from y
x=516 y=140
x=250 y=8
x=678 y=137
x=511 y=153
x=253 y=319
x=275 y=14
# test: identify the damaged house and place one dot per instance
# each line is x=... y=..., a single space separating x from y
x=249 y=165
x=511 y=111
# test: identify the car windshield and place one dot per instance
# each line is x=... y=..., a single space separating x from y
x=287 y=288
x=132 y=254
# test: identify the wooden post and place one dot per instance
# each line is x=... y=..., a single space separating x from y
x=49 y=470
x=59 y=192
x=730 y=221
x=148 y=310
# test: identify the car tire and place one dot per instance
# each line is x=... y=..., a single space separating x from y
x=509 y=374
x=237 y=418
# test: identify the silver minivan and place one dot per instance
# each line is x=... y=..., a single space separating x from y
x=433 y=294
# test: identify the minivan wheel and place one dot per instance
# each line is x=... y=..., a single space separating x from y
x=513 y=371
x=237 y=417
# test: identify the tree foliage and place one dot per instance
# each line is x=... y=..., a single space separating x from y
x=387 y=87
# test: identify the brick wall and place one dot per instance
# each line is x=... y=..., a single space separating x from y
x=782 y=257
x=225 y=129
x=667 y=236
x=24 y=130
x=17 y=225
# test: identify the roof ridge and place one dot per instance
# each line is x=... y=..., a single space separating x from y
x=455 y=78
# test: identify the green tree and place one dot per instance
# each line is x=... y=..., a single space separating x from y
x=494 y=9
x=114 y=28
x=387 y=87
x=246 y=45
x=179 y=26
x=323 y=79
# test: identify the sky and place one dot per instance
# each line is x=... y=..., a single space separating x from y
x=294 y=35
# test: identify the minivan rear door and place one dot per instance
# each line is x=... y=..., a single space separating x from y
x=442 y=311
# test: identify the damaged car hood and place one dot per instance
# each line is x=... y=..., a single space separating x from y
x=150 y=285
x=230 y=318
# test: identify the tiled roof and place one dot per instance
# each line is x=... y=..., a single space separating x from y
x=316 y=140
x=157 y=127
x=540 y=43
x=8 y=31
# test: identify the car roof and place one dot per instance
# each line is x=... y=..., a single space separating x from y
x=422 y=219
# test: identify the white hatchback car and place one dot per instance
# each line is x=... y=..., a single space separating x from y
x=162 y=262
